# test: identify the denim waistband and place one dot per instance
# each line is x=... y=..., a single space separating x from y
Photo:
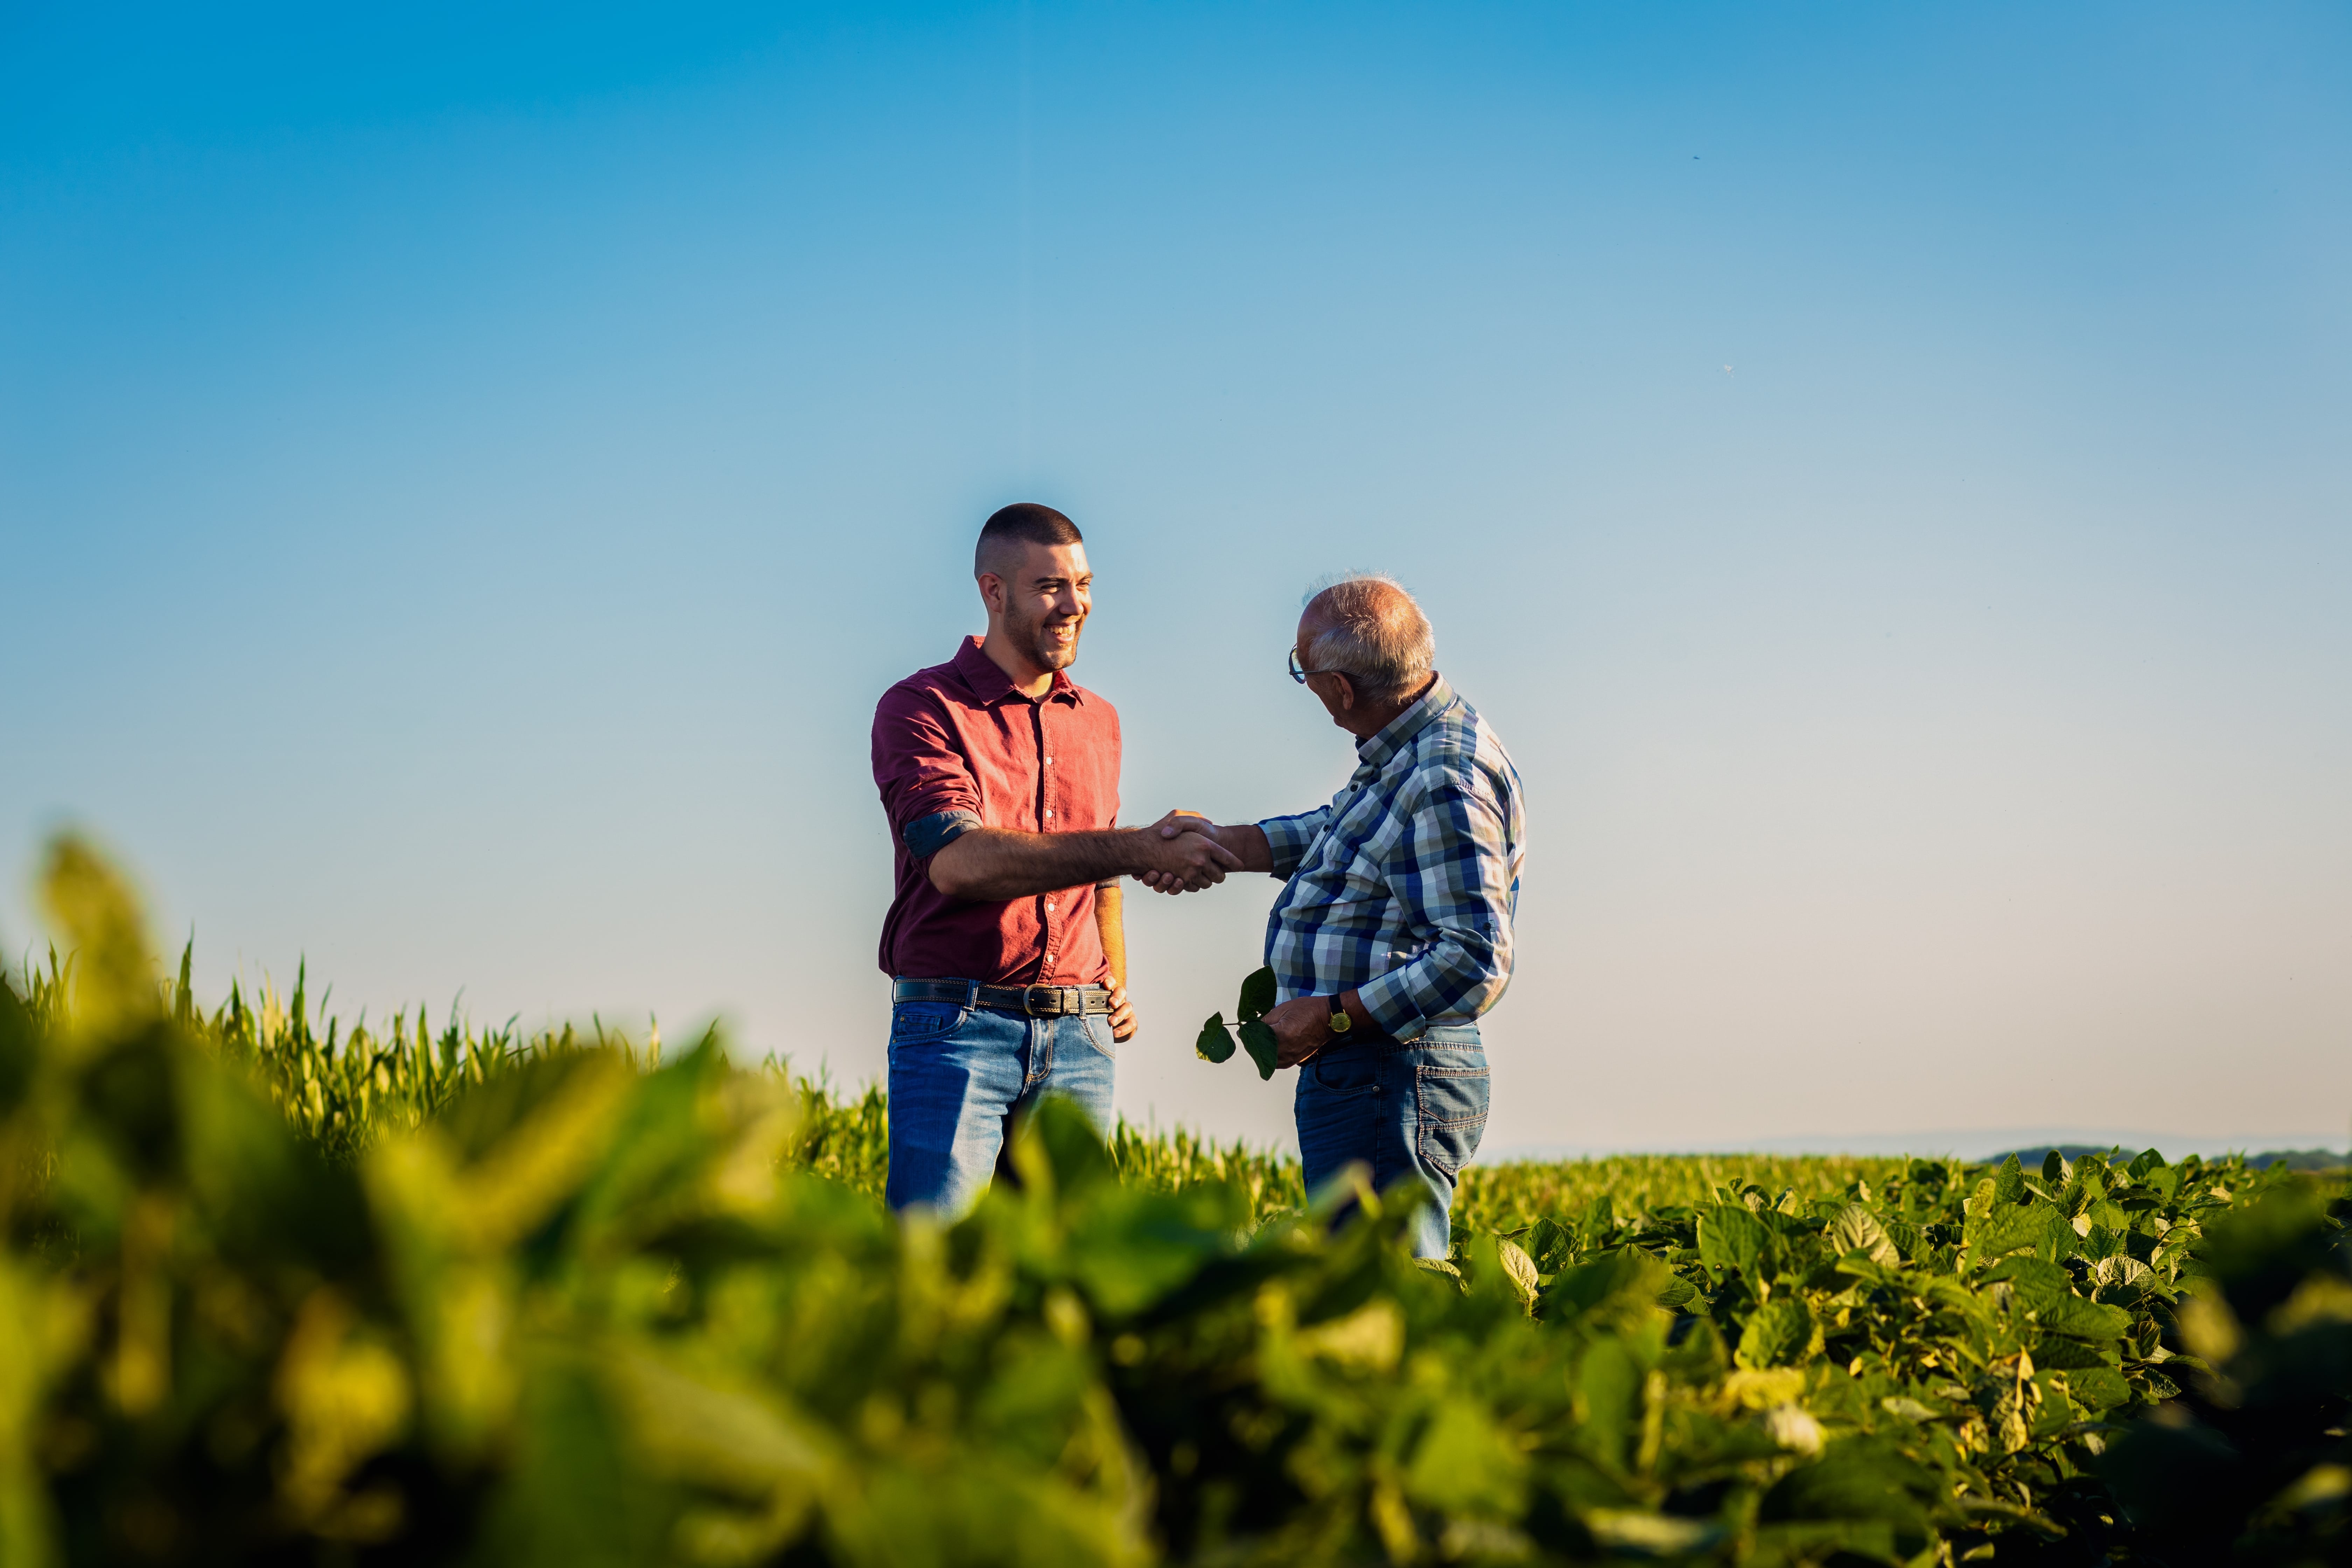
x=1446 y=1036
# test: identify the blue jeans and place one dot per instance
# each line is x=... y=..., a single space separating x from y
x=958 y=1075
x=1411 y=1112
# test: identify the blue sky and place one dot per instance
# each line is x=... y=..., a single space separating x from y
x=467 y=472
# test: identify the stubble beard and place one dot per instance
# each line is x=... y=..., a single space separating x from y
x=1048 y=653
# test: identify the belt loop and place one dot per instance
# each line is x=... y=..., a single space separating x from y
x=970 y=995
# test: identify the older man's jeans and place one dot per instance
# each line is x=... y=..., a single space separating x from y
x=957 y=1074
x=1411 y=1112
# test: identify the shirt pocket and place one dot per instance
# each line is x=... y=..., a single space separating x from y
x=1451 y=1108
x=1339 y=881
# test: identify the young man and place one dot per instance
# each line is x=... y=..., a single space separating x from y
x=1393 y=933
x=1000 y=775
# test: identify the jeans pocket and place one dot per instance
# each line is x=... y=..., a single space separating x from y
x=1449 y=1104
x=913 y=1021
x=1344 y=1073
x=1098 y=1035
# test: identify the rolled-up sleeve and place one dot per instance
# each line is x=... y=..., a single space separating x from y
x=925 y=780
x=1451 y=875
x=1287 y=837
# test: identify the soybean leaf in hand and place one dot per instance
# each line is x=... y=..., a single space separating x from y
x=1259 y=1041
x=1215 y=1045
x=1257 y=997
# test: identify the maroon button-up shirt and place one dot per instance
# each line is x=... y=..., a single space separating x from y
x=956 y=747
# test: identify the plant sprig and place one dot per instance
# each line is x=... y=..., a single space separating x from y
x=1216 y=1044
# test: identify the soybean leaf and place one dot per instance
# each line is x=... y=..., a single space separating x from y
x=2080 y=1320
x=1858 y=1480
x=1729 y=1238
x=2097 y=1388
x=2008 y=1181
x=2055 y=1352
x=2038 y=1285
x=2102 y=1211
x=1215 y=1045
x=1858 y=1265
x=1259 y=1041
x=1854 y=1228
x=1520 y=1266
x=1257 y=997
x=1466 y=1462
x=1550 y=1244
x=1777 y=1334
x=1609 y=1386
x=1619 y=1285
x=2007 y=1230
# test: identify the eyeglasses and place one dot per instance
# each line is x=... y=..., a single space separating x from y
x=1300 y=676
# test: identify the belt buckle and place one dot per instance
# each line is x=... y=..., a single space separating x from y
x=1036 y=1009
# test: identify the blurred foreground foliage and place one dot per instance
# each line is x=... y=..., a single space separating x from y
x=560 y=1301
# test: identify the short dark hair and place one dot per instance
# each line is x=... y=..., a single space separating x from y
x=1026 y=522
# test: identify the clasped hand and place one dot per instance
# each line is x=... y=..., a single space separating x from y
x=1186 y=852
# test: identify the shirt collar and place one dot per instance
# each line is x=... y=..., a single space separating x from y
x=991 y=686
x=1376 y=749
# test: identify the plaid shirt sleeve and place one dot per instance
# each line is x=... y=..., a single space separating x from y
x=1451 y=875
x=1287 y=837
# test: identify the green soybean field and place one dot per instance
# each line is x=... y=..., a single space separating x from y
x=274 y=1288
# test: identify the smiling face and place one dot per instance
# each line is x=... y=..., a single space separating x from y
x=1039 y=596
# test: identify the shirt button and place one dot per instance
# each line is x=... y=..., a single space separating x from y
x=1049 y=811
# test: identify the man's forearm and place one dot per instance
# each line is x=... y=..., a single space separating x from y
x=989 y=863
x=1460 y=976
x=1245 y=843
x=1109 y=908
x=1247 y=839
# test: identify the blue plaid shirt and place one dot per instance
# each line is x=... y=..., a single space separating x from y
x=1404 y=886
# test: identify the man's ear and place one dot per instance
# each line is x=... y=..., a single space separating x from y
x=992 y=592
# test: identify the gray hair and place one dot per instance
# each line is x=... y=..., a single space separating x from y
x=1373 y=633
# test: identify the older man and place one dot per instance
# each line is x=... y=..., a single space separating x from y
x=1393 y=933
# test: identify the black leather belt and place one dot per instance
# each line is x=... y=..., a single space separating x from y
x=1033 y=1001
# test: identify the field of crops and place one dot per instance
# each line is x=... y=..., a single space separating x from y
x=279 y=1289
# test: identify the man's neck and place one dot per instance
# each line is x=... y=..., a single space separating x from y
x=1366 y=722
x=1027 y=678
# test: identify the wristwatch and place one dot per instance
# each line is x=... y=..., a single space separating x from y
x=1339 y=1023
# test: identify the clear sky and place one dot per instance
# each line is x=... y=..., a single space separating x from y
x=467 y=472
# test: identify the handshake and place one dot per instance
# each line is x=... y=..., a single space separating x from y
x=1184 y=852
